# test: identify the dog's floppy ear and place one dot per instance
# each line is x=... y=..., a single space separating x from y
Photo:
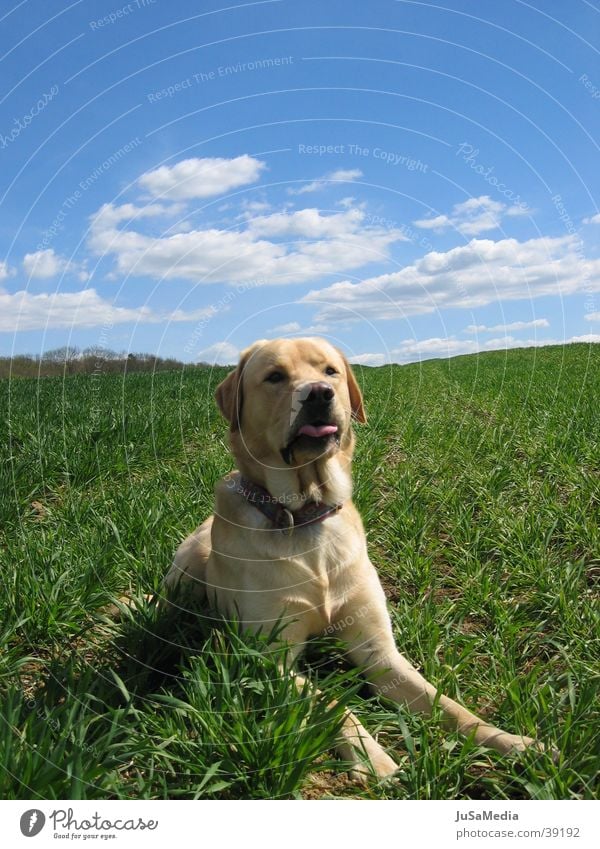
x=356 y=399
x=229 y=394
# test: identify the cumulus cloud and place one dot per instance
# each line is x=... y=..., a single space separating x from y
x=251 y=208
x=308 y=223
x=182 y=315
x=415 y=350
x=219 y=354
x=290 y=327
x=470 y=276
x=593 y=219
x=592 y=316
x=316 y=329
x=5 y=270
x=367 y=359
x=201 y=178
x=473 y=216
x=110 y=215
x=296 y=328
x=24 y=311
x=232 y=256
x=43 y=265
x=504 y=328
x=351 y=203
x=586 y=337
x=340 y=176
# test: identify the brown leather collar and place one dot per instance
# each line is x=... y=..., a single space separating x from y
x=279 y=515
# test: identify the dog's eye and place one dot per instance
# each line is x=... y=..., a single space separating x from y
x=331 y=370
x=275 y=377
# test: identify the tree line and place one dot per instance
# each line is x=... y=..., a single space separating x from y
x=70 y=360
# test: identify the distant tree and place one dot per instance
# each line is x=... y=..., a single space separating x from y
x=99 y=352
x=67 y=357
x=62 y=355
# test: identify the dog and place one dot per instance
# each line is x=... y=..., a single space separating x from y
x=286 y=544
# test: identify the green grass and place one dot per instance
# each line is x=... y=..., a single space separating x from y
x=479 y=482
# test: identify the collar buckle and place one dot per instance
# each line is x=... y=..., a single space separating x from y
x=285 y=521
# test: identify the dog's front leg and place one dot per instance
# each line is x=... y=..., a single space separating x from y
x=357 y=746
x=371 y=646
x=354 y=745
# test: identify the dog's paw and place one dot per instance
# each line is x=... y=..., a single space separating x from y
x=384 y=766
x=515 y=743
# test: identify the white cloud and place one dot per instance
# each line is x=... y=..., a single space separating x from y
x=307 y=223
x=411 y=349
x=252 y=208
x=201 y=178
x=472 y=216
x=290 y=327
x=438 y=222
x=316 y=329
x=5 y=270
x=592 y=316
x=219 y=354
x=593 y=219
x=367 y=359
x=503 y=328
x=298 y=329
x=587 y=337
x=44 y=264
x=182 y=315
x=24 y=311
x=470 y=276
x=415 y=350
x=109 y=215
x=232 y=256
x=340 y=176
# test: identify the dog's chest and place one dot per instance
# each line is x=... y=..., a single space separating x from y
x=312 y=571
x=306 y=574
x=313 y=585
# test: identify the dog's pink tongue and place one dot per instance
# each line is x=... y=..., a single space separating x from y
x=318 y=430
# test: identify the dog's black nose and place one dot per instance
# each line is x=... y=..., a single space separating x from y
x=320 y=392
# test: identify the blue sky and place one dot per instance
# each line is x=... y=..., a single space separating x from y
x=407 y=179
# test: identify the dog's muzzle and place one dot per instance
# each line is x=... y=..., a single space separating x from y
x=311 y=421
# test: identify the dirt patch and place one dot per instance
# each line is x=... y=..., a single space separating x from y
x=38 y=511
x=322 y=785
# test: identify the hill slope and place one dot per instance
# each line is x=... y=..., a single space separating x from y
x=479 y=482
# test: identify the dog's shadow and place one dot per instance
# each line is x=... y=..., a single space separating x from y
x=142 y=648
x=180 y=703
x=157 y=642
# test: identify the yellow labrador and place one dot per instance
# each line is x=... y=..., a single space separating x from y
x=287 y=543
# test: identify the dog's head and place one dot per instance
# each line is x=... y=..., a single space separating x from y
x=291 y=400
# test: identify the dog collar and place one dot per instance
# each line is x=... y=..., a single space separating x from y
x=282 y=518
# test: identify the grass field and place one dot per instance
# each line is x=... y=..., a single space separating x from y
x=479 y=482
